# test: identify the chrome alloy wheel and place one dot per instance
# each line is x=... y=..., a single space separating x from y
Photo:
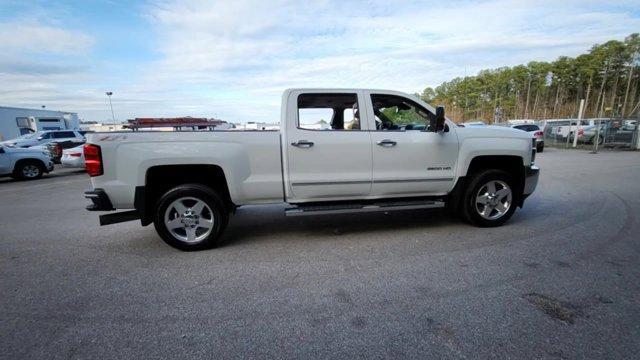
x=493 y=200
x=189 y=219
x=30 y=171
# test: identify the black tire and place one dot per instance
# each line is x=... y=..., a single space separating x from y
x=28 y=170
x=216 y=210
x=540 y=148
x=477 y=182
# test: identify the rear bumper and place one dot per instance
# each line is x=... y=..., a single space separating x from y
x=73 y=162
x=99 y=200
x=531 y=175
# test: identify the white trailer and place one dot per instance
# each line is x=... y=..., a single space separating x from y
x=19 y=121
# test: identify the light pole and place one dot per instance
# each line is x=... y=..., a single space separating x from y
x=113 y=118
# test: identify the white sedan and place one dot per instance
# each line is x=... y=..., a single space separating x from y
x=73 y=157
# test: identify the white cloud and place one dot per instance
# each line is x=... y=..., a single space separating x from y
x=256 y=49
x=24 y=36
x=232 y=59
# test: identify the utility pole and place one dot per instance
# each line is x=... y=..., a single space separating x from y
x=113 y=117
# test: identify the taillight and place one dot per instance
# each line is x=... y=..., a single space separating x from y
x=538 y=133
x=93 y=160
x=580 y=132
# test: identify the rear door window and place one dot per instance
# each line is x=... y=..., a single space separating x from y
x=328 y=112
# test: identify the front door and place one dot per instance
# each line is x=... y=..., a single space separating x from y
x=409 y=159
x=328 y=152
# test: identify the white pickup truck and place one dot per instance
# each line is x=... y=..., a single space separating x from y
x=337 y=151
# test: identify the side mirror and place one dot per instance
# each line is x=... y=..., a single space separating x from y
x=439 y=120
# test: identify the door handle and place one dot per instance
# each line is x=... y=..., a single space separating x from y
x=302 y=144
x=387 y=143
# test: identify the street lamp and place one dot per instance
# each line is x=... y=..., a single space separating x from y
x=113 y=118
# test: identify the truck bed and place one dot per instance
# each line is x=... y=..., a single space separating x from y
x=251 y=161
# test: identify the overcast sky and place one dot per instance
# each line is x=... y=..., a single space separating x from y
x=231 y=59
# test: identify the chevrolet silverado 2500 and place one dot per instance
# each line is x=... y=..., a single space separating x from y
x=338 y=150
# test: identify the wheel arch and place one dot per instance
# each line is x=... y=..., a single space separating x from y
x=512 y=164
x=161 y=178
x=19 y=162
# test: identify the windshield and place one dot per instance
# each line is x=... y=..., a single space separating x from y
x=28 y=136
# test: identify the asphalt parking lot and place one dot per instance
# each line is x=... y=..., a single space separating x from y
x=561 y=280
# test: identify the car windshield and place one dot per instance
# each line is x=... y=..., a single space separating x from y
x=28 y=136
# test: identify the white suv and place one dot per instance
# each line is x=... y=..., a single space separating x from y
x=26 y=164
x=45 y=137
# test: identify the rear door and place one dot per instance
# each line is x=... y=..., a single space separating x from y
x=408 y=159
x=327 y=151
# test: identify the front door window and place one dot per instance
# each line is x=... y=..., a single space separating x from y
x=399 y=113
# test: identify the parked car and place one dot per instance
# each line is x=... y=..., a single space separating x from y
x=57 y=148
x=535 y=131
x=73 y=157
x=22 y=163
x=610 y=132
x=587 y=134
x=45 y=137
x=362 y=162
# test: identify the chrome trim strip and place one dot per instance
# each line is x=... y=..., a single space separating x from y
x=354 y=182
x=411 y=180
x=347 y=182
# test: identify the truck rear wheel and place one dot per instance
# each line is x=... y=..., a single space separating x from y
x=489 y=199
x=191 y=217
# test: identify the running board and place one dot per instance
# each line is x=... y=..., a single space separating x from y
x=321 y=209
x=119 y=217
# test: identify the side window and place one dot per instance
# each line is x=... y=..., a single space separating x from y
x=399 y=113
x=63 y=134
x=328 y=112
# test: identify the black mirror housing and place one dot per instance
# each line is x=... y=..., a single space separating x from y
x=438 y=123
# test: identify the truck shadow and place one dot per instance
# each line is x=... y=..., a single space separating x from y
x=262 y=223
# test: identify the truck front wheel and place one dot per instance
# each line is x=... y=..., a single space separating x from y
x=489 y=199
x=191 y=217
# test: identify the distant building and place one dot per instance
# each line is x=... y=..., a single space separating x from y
x=98 y=127
x=252 y=125
x=19 y=121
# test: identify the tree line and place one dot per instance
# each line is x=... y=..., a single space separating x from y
x=606 y=77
